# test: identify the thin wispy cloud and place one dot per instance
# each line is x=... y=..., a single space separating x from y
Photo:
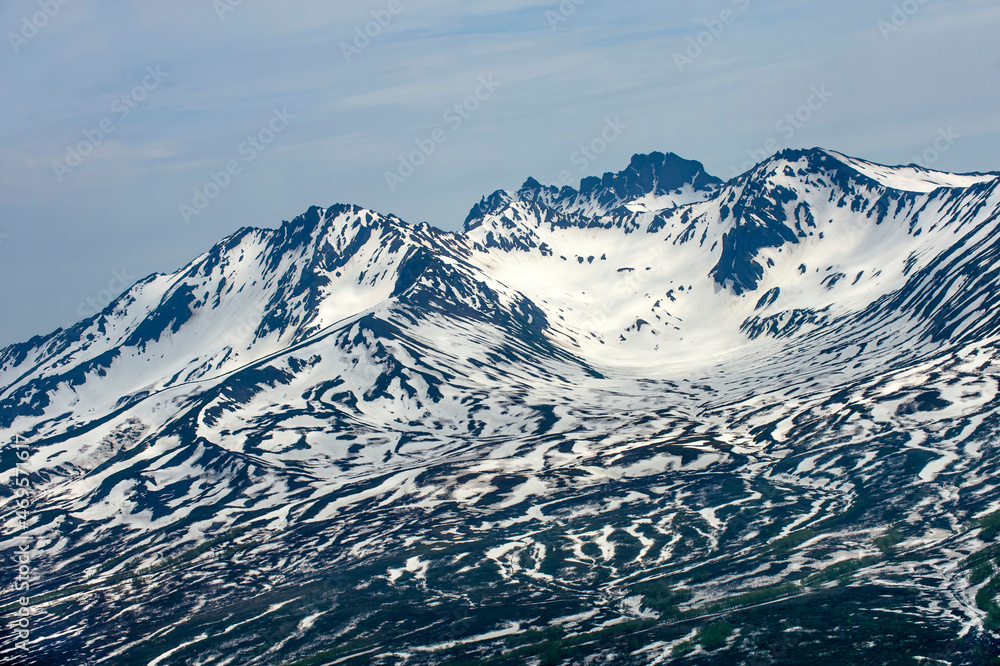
x=561 y=79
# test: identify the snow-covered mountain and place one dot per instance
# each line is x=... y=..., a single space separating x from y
x=591 y=424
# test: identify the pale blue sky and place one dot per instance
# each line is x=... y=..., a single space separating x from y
x=890 y=93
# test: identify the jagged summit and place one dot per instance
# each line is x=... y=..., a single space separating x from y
x=650 y=182
x=653 y=174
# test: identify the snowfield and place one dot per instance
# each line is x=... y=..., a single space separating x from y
x=592 y=422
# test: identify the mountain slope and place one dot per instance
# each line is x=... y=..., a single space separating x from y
x=606 y=415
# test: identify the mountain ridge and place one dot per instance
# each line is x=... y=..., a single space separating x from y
x=592 y=421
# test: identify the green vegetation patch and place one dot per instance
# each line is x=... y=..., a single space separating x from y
x=791 y=541
x=661 y=596
x=715 y=635
x=986 y=600
x=980 y=572
x=887 y=543
x=840 y=570
x=747 y=599
x=990 y=526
